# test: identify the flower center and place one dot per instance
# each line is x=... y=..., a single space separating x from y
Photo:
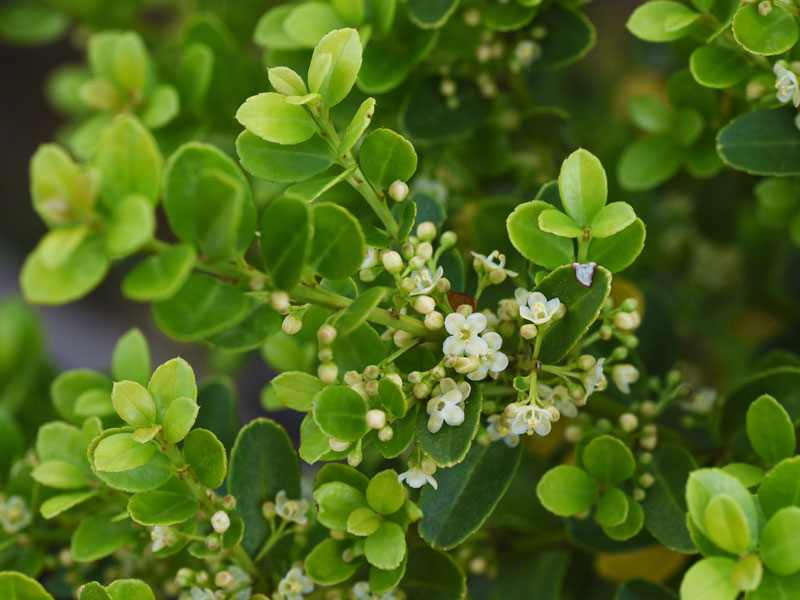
x=539 y=310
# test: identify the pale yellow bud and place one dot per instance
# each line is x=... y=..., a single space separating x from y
x=424 y=251
x=628 y=422
x=338 y=446
x=398 y=191
x=386 y=433
x=426 y=231
x=528 y=331
x=424 y=304
x=279 y=301
x=326 y=334
x=292 y=324
x=392 y=261
x=220 y=521
x=376 y=418
x=328 y=371
x=434 y=320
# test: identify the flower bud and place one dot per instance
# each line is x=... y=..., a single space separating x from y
x=639 y=494
x=472 y=17
x=354 y=457
x=386 y=433
x=426 y=231
x=573 y=434
x=279 y=301
x=448 y=239
x=528 y=331
x=220 y=521
x=604 y=425
x=360 y=388
x=328 y=371
x=434 y=320
x=367 y=275
x=606 y=332
x=649 y=442
x=764 y=7
x=450 y=360
x=352 y=378
x=229 y=502
x=464 y=310
x=395 y=379
x=398 y=191
x=338 y=446
x=402 y=338
x=428 y=466
x=421 y=390
x=414 y=377
x=447 y=88
x=392 y=261
x=223 y=579
x=586 y=362
x=268 y=510
x=292 y=324
x=629 y=305
x=424 y=251
x=619 y=353
x=628 y=422
x=438 y=373
x=416 y=263
x=407 y=285
x=201 y=577
x=371 y=387
x=443 y=285
x=326 y=334
x=376 y=418
x=467 y=364
x=646 y=480
x=184 y=577
x=623 y=320
x=477 y=566
x=424 y=304
x=407 y=250
x=338 y=534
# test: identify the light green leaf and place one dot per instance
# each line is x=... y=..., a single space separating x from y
x=344 y=46
x=566 y=490
x=179 y=418
x=335 y=502
x=709 y=579
x=338 y=244
x=159 y=277
x=612 y=508
x=205 y=454
x=271 y=118
x=769 y=34
x=325 y=566
x=386 y=157
x=162 y=508
x=661 y=21
x=131 y=358
x=385 y=494
x=612 y=219
x=539 y=247
x=583 y=186
x=286 y=81
x=770 y=430
x=725 y=524
x=357 y=126
x=386 y=547
x=99 y=536
x=554 y=221
x=16 y=586
x=60 y=474
x=133 y=403
x=340 y=413
x=717 y=67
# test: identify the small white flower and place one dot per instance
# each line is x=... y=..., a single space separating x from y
x=220 y=521
x=592 y=378
x=521 y=295
x=701 y=402
x=624 y=376
x=499 y=429
x=416 y=477
x=529 y=418
x=425 y=281
x=539 y=309
x=162 y=537
x=361 y=591
x=489 y=263
x=447 y=405
x=464 y=334
x=202 y=593
x=787 y=85
x=371 y=259
x=15 y=514
x=493 y=361
x=291 y=510
x=295 y=585
x=558 y=397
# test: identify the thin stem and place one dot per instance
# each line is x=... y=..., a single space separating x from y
x=399 y=352
x=273 y=539
x=583 y=250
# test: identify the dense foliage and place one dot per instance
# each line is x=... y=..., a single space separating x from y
x=504 y=394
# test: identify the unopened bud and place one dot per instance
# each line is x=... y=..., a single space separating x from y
x=371 y=387
x=326 y=334
x=424 y=251
x=229 y=502
x=438 y=373
x=338 y=446
x=292 y=324
x=639 y=494
x=464 y=310
x=623 y=320
x=586 y=362
x=472 y=17
x=434 y=320
x=497 y=276
x=629 y=305
x=415 y=263
x=268 y=510
x=184 y=577
x=398 y=191
x=424 y=304
x=764 y=8
x=573 y=434
x=448 y=240
x=646 y=480
x=223 y=579
x=376 y=418
x=395 y=379
x=443 y=285
x=628 y=422
x=220 y=521
x=426 y=231
x=402 y=338
x=392 y=261
x=386 y=433
x=328 y=371
x=353 y=377
x=528 y=331
x=447 y=88
x=649 y=442
x=354 y=457
x=606 y=332
x=649 y=409
x=407 y=250
x=279 y=301
x=421 y=390
x=467 y=364
x=407 y=285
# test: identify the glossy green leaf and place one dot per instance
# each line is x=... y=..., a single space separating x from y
x=325 y=566
x=618 y=251
x=162 y=508
x=608 y=460
x=335 y=502
x=770 y=430
x=205 y=454
x=780 y=487
x=29 y=23
x=583 y=186
x=749 y=475
x=179 y=418
x=358 y=125
x=149 y=476
x=343 y=473
x=310 y=21
x=717 y=67
x=392 y=397
x=61 y=191
x=762 y=142
x=612 y=219
x=338 y=244
x=542 y=248
x=386 y=547
x=706 y=484
x=768 y=34
x=98 y=536
x=55 y=505
x=725 y=524
x=431 y=13
x=449 y=445
x=356 y=313
x=344 y=47
x=340 y=413
x=433 y=575
x=709 y=579
x=271 y=118
x=16 y=586
x=661 y=21
x=385 y=495
x=282 y=164
x=60 y=474
x=780 y=546
x=612 y=508
x=363 y=522
x=467 y=494
x=159 y=277
x=287 y=82
x=131 y=358
x=650 y=114
x=120 y=452
x=566 y=490
x=633 y=523
x=577 y=35
x=251 y=332
x=386 y=157
x=286 y=237
x=404 y=430
x=296 y=390
x=554 y=221
x=171 y=380
x=133 y=403
x=269 y=31
x=648 y=162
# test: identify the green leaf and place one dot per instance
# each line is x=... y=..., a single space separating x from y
x=554 y=221
x=162 y=106
x=286 y=81
x=16 y=586
x=67 y=388
x=343 y=473
x=159 y=277
x=355 y=315
x=619 y=251
x=182 y=318
x=661 y=21
x=65 y=266
x=539 y=247
x=179 y=418
x=309 y=22
x=133 y=403
x=60 y=474
x=775 y=586
x=171 y=380
x=403 y=434
x=131 y=358
x=749 y=475
x=449 y=445
x=325 y=566
x=433 y=575
x=709 y=579
x=632 y=525
x=99 y=536
x=781 y=487
x=283 y=164
x=386 y=157
x=358 y=125
x=263 y=462
x=770 y=430
x=61 y=191
x=431 y=14
x=583 y=186
x=577 y=36
x=269 y=31
x=389 y=60
x=612 y=219
x=649 y=162
x=205 y=454
x=644 y=589
x=130 y=589
x=340 y=413
x=717 y=67
x=120 y=452
x=363 y=522
x=706 y=484
x=271 y=118
x=129 y=162
x=381 y=581
x=251 y=332
x=344 y=47
x=286 y=237
x=392 y=397
x=612 y=508
x=386 y=548
x=508 y=16
x=466 y=495
x=55 y=505
x=338 y=244
x=385 y=495
x=296 y=390
x=725 y=524
x=162 y=508
x=665 y=503
x=24 y=22
x=352 y=11
x=149 y=476
x=769 y=34
x=94 y=591
x=762 y=142
x=566 y=490
x=608 y=460
x=583 y=305
x=208 y=201
x=780 y=546
x=335 y=501
x=650 y=114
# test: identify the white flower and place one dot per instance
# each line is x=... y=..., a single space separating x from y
x=528 y=418
x=592 y=379
x=424 y=281
x=521 y=295
x=202 y=593
x=464 y=334
x=448 y=405
x=416 y=477
x=15 y=514
x=624 y=376
x=786 y=84
x=370 y=259
x=295 y=585
x=489 y=264
x=361 y=591
x=498 y=429
x=701 y=402
x=558 y=397
x=162 y=537
x=291 y=510
x=539 y=309
x=494 y=360
x=220 y=521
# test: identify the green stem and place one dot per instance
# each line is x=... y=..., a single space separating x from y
x=399 y=352
x=273 y=539
x=583 y=250
x=561 y=371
